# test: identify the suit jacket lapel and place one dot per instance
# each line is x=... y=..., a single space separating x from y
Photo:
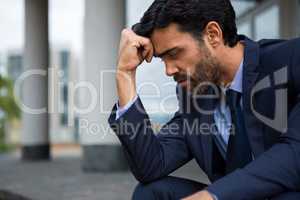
x=206 y=119
x=250 y=75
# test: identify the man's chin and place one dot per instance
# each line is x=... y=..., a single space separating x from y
x=193 y=89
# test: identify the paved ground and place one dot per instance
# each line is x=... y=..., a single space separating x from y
x=62 y=178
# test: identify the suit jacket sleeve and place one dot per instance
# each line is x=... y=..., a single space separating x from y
x=150 y=156
x=275 y=171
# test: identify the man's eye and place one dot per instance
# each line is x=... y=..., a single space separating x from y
x=172 y=54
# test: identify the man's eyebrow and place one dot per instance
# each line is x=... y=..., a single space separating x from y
x=160 y=55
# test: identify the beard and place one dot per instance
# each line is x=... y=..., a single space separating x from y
x=206 y=74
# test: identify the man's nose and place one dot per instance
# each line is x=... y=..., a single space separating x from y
x=171 y=69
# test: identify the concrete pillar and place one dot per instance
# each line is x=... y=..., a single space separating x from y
x=289 y=18
x=35 y=142
x=103 y=23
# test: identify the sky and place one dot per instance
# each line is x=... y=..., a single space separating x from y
x=11 y=20
x=65 y=23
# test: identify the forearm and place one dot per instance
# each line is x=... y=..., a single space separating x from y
x=150 y=156
x=126 y=86
x=142 y=147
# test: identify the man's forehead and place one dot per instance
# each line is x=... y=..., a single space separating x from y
x=167 y=33
x=164 y=39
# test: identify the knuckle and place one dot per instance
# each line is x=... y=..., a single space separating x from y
x=147 y=41
x=125 y=32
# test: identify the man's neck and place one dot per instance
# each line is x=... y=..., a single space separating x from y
x=231 y=59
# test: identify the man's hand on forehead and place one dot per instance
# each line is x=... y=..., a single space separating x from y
x=134 y=49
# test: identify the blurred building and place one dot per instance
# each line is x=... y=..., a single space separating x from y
x=63 y=128
x=13 y=69
x=270 y=19
x=14 y=64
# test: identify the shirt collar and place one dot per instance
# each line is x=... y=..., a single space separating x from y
x=237 y=83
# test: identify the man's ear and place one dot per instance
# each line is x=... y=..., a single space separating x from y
x=213 y=34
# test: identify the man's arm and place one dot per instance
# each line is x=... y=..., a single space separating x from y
x=121 y=110
x=150 y=156
x=133 y=51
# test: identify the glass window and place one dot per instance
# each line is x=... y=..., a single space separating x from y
x=14 y=66
x=64 y=63
x=267 y=24
x=64 y=115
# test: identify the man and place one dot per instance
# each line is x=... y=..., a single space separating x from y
x=233 y=90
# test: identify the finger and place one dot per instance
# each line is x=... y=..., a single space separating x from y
x=145 y=42
x=150 y=54
x=148 y=48
x=145 y=53
x=150 y=51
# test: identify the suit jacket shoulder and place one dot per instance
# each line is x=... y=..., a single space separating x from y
x=278 y=54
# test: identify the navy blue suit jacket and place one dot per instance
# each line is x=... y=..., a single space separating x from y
x=276 y=149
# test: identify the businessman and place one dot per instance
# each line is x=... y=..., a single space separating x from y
x=239 y=106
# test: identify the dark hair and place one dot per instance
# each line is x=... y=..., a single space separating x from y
x=192 y=16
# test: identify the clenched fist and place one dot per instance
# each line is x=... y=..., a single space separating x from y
x=133 y=50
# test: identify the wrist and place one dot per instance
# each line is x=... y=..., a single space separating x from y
x=126 y=86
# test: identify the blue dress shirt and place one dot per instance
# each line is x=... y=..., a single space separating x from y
x=222 y=114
